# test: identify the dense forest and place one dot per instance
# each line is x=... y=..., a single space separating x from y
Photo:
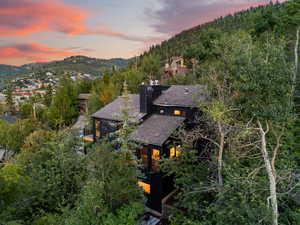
x=248 y=62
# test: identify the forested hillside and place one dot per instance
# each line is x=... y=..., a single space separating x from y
x=81 y=64
x=272 y=19
x=247 y=171
x=6 y=70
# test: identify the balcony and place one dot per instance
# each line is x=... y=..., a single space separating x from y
x=88 y=138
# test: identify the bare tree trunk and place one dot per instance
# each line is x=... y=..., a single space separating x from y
x=272 y=180
x=220 y=155
x=34 y=110
x=275 y=150
x=294 y=80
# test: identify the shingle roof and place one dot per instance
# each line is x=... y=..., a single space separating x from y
x=112 y=111
x=182 y=95
x=157 y=129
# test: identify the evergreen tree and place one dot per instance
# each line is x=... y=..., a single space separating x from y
x=9 y=101
x=48 y=96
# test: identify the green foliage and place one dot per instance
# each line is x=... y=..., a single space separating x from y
x=91 y=209
x=111 y=195
x=102 y=93
x=56 y=173
x=292 y=14
x=125 y=145
x=84 y=85
x=14 y=184
x=48 y=219
x=151 y=65
x=48 y=96
x=248 y=79
x=118 y=177
x=26 y=110
x=245 y=61
x=49 y=183
x=80 y=64
x=9 y=101
x=13 y=135
x=63 y=108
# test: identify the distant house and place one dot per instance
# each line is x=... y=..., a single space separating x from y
x=2 y=99
x=174 y=66
x=159 y=111
x=19 y=97
x=2 y=88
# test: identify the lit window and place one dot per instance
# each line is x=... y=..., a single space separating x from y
x=177 y=112
x=155 y=154
x=155 y=157
x=144 y=156
x=175 y=151
x=98 y=123
x=145 y=186
x=162 y=111
x=172 y=152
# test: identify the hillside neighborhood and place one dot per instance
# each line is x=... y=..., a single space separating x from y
x=201 y=128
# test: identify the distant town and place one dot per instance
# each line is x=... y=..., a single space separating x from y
x=23 y=89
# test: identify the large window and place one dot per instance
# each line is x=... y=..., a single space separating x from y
x=97 y=127
x=178 y=112
x=144 y=157
x=155 y=155
x=145 y=186
x=175 y=151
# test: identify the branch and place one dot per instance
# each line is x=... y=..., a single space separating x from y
x=211 y=140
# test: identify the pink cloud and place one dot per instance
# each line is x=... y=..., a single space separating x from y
x=23 y=17
x=35 y=52
x=28 y=16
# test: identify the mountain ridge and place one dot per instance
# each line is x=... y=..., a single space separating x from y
x=78 y=63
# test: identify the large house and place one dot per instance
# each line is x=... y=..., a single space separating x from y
x=159 y=111
x=174 y=66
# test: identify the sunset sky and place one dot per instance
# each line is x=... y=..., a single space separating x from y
x=44 y=30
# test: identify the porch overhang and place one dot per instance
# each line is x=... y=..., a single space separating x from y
x=157 y=129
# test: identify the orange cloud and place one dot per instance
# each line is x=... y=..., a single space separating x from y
x=28 y=16
x=35 y=52
x=22 y=17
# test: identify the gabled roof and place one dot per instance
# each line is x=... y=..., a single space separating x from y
x=157 y=129
x=182 y=95
x=113 y=111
